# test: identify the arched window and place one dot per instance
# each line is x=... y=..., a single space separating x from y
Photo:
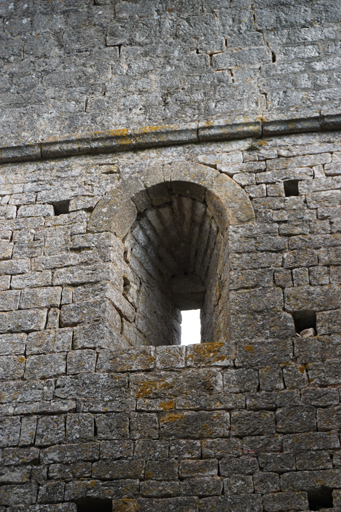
x=171 y=252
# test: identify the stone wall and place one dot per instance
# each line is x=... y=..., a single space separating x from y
x=248 y=423
x=83 y=66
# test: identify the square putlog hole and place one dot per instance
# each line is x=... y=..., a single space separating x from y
x=305 y=320
x=291 y=188
x=320 y=498
x=61 y=207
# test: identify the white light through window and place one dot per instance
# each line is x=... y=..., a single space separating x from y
x=190 y=327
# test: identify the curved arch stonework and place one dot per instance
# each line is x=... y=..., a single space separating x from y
x=173 y=227
x=117 y=211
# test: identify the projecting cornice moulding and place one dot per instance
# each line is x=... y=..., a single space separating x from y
x=167 y=135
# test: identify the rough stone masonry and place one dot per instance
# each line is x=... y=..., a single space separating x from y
x=158 y=156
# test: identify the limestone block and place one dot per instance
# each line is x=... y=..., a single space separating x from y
x=5 y=282
x=143 y=425
x=247 y=423
x=251 y=278
x=96 y=386
x=314 y=298
x=49 y=341
x=209 y=403
x=32 y=280
x=70 y=453
x=153 y=504
x=306 y=461
x=162 y=470
x=295 y=376
x=90 y=311
x=320 y=397
x=118 y=469
x=11 y=344
x=91 y=336
x=12 y=495
x=194 y=425
x=254 y=261
x=167 y=384
x=79 y=428
x=296 y=419
x=241 y=380
x=157 y=488
x=219 y=448
x=328 y=322
x=67 y=472
x=41 y=297
x=17 y=456
x=209 y=354
x=263 y=444
x=36 y=210
x=28 y=430
x=266 y=482
x=9 y=432
x=304 y=480
x=13 y=267
x=12 y=367
x=277 y=462
x=154 y=449
x=134 y=359
x=272 y=399
x=300 y=258
x=285 y=501
x=94 y=488
x=6 y=250
x=50 y=430
x=51 y=492
x=238 y=484
x=81 y=361
x=168 y=358
x=239 y=466
x=112 y=426
x=45 y=366
x=118 y=449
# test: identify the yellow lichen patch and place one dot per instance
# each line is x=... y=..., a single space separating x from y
x=249 y=348
x=167 y=406
x=147 y=388
x=173 y=417
x=207 y=350
x=301 y=369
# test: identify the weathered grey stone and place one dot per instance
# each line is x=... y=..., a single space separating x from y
x=45 y=366
x=26 y=321
x=194 y=424
x=50 y=430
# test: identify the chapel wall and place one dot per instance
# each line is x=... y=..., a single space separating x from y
x=255 y=413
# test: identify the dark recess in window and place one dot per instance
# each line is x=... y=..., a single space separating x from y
x=291 y=188
x=94 y=504
x=61 y=207
x=320 y=498
x=304 y=320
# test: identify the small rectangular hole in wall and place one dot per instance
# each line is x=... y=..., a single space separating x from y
x=94 y=504
x=320 y=498
x=304 y=320
x=291 y=188
x=190 y=327
x=61 y=207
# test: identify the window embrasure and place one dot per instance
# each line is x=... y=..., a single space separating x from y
x=172 y=233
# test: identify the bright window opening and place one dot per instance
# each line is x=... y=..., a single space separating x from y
x=190 y=327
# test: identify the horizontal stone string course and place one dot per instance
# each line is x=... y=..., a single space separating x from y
x=156 y=136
